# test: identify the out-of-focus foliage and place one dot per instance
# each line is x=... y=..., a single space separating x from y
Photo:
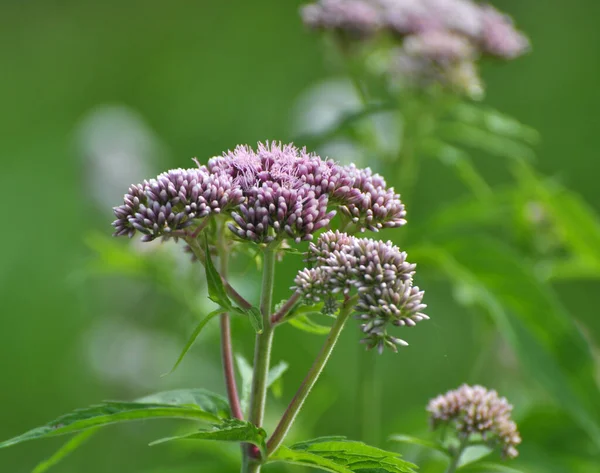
x=203 y=78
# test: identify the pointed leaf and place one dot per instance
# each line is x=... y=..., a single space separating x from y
x=256 y=319
x=496 y=122
x=483 y=140
x=309 y=460
x=193 y=338
x=306 y=324
x=351 y=456
x=110 y=413
x=246 y=373
x=230 y=430
x=206 y=400
x=276 y=372
x=473 y=454
x=73 y=443
x=420 y=442
x=216 y=289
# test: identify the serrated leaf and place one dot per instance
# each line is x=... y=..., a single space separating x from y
x=206 y=400
x=488 y=468
x=309 y=460
x=230 y=430
x=420 y=442
x=73 y=443
x=545 y=338
x=331 y=454
x=216 y=289
x=305 y=323
x=109 y=413
x=473 y=454
x=193 y=338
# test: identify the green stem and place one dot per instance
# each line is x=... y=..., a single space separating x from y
x=311 y=378
x=456 y=458
x=262 y=357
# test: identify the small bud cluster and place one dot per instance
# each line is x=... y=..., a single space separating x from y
x=440 y=40
x=172 y=201
x=477 y=410
x=380 y=274
x=275 y=192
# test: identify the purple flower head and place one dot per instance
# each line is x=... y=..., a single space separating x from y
x=477 y=410
x=173 y=201
x=373 y=206
x=274 y=192
x=499 y=36
x=359 y=18
x=437 y=41
x=379 y=273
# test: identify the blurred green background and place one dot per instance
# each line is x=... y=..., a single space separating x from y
x=167 y=81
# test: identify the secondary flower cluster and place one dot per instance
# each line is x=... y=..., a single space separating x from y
x=477 y=410
x=380 y=274
x=440 y=40
x=275 y=192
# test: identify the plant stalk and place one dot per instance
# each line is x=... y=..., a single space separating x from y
x=262 y=357
x=311 y=378
x=456 y=458
x=226 y=345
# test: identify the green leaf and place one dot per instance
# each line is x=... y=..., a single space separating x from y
x=62 y=452
x=256 y=319
x=309 y=460
x=574 y=221
x=193 y=338
x=246 y=373
x=488 y=468
x=473 y=454
x=420 y=442
x=208 y=401
x=483 y=140
x=305 y=323
x=216 y=289
x=274 y=378
x=342 y=456
x=543 y=335
x=496 y=122
x=110 y=413
x=230 y=430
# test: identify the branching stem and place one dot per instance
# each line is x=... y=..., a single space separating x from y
x=311 y=378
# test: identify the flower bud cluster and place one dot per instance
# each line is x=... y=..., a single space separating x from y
x=275 y=192
x=439 y=40
x=477 y=410
x=377 y=271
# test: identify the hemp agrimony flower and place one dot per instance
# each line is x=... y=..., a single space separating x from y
x=436 y=41
x=475 y=410
x=275 y=192
x=379 y=273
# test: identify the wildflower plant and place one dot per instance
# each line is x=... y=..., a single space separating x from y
x=271 y=199
x=414 y=65
x=474 y=422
